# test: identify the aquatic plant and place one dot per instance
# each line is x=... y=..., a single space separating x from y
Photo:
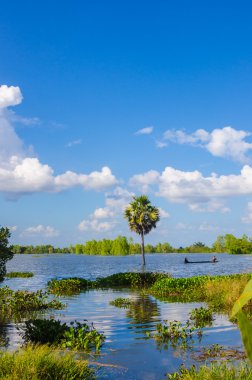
x=43 y=363
x=12 y=302
x=121 y=302
x=19 y=274
x=129 y=279
x=174 y=333
x=77 y=336
x=201 y=316
x=221 y=371
x=215 y=351
x=219 y=292
x=74 y=285
x=68 y=286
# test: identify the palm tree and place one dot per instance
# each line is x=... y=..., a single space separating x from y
x=142 y=217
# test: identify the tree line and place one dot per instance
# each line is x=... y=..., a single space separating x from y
x=123 y=246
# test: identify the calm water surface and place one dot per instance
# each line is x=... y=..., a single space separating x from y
x=126 y=346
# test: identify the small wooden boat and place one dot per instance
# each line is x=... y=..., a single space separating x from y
x=200 y=262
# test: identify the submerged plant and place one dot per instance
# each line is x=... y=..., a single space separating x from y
x=121 y=302
x=12 y=302
x=77 y=336
x=174 y=333
x=201 y=316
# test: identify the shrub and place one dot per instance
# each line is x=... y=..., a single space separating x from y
x=130 y=279
x=77 y=336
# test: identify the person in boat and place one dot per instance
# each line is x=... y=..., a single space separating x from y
x=186 y=260
x=214 y=259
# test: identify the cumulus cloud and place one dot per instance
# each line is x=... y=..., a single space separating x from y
x=10 y=96
x=40 y=230
x=248 y=217
x=96 y=226
x=145 y=180
x=115 y=203
x=195 y=190
x=226 y=142
x=22 y=174
x=145 y=131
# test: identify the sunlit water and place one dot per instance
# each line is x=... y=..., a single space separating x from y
x=126 y=346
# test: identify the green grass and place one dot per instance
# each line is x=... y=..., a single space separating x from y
x=42 y=363
x=19 y=274
x=214 y=372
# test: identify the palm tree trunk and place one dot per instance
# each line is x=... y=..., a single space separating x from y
x=142 y=248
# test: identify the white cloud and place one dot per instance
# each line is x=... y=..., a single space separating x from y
x=96 y=226
x=248 y=217
x=163 y=213
x=12 y=228
x=21 y=174
x=226 y=142
x=102 y=213
x=40 y=230
x=10 y=96
x=207 y=227
x=145 y=180
x=74 y=142
x=161 y=144
x=115 y=203
x=195 y=190
x=145 y=131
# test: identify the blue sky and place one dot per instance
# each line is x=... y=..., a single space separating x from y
x=103 y=100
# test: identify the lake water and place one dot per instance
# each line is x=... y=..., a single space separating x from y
x=126 y=347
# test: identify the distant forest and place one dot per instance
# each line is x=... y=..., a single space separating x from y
x=123 y=246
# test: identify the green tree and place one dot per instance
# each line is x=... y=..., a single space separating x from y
x=5 y=251
x=142 y=217
x=120 y=246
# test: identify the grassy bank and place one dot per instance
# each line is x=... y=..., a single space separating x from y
x=220 y=292
x=42 y=363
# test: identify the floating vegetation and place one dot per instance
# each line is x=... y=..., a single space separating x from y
x=129 y=279
x=19 y=274
x=218 y=352
x=77 y=336
x=68 y=286
x=219 y=291
x=201 y=316
x=74 y=285
x=43 y=363
x=122 y=302
x=174 y=333
x=13 y=302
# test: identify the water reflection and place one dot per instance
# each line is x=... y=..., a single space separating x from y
x=143 y=311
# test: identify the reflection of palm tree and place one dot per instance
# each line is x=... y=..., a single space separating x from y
x=4 y=340
x=143 y=310
x=142 y=217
